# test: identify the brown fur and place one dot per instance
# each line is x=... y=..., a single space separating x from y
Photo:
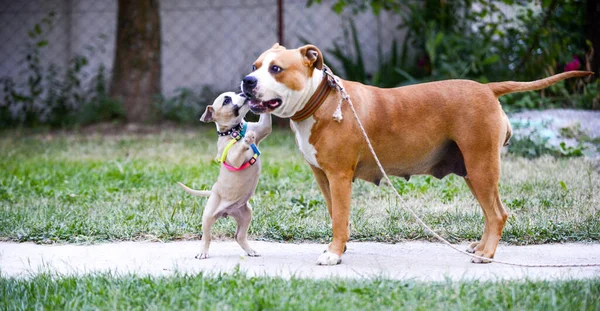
x=436 y=128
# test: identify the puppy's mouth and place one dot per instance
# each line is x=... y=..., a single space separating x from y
x=236 y=108
x=258 y=106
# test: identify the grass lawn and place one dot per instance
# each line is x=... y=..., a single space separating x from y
x=89 y=188
x=238 y=292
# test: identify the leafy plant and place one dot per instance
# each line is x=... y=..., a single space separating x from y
x=476 y=39
x=535 y=143
x=51 y=96
x=353 y=67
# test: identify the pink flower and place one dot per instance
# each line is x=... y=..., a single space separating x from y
x=573 y=65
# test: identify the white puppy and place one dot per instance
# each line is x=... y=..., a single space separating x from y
x=240 y=167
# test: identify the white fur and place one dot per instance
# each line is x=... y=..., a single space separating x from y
x=302 y=130
x=292 y=101
x=328 y=259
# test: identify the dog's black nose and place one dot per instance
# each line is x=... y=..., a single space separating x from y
x=249 y=83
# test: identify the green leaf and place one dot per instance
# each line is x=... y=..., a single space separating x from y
x=42 y=43
x=491 y=59
x=563 y=185
x=338 y=7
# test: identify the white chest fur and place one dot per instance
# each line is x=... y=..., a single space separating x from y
x=302 y=130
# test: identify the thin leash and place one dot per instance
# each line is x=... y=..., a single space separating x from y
x=337 y=116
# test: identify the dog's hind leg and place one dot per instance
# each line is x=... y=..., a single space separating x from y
x=483 y=175
x=208 y=219
x=477 y=246
x=243 y=217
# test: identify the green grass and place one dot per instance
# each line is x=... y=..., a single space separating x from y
x=89 y=188
x=239 y=292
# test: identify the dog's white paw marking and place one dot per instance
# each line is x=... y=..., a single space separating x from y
x=328 y=259
x=202 y=256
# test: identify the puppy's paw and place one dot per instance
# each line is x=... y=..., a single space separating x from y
x=250 y=138
x=329 y=259
x=202 y=256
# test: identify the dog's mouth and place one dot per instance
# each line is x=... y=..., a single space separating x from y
x=259 y=106
x=236 y=108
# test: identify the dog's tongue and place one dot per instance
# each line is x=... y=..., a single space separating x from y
x=271 y=103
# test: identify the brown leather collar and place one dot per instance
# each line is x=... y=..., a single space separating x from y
x=317 y=99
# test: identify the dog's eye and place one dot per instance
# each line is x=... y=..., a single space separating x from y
x=227 y=100
x=275 y=69
x=253 y=67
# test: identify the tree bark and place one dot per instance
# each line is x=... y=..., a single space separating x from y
x=136 y=73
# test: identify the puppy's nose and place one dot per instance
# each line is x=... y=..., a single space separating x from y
x=249 y=83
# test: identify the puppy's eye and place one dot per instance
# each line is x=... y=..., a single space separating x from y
x=227 y=100
x=275 y=69
x=253 y=67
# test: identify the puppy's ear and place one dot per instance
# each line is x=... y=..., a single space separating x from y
x=276 y=46
x=208 y=115
x=312 y=56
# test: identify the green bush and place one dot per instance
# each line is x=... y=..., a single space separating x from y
x=476 y=39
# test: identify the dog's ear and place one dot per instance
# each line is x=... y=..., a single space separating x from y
x=312 y=56
x=208 y=115
x=276 y=46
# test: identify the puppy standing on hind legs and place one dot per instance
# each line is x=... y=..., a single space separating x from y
x=238 y=177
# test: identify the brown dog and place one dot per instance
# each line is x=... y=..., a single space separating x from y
x=438 y=128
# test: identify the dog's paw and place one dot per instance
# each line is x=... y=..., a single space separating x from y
x=250 y=138
x=479 y=260
x=472 y=247
x=252 y=253
x=329 y=259
x=202 y=256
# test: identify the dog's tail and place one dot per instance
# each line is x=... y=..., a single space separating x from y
x=506 y=87
x=198 y=193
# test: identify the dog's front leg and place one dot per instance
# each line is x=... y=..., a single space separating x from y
x=208 y=219
x=264 y=127
x=340 y=185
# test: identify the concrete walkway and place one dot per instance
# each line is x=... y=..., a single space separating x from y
x=411 y=260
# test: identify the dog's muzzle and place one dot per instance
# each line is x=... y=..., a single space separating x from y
x=248 y=85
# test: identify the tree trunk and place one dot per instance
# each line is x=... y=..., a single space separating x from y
x=136 y=69
x=593 y=26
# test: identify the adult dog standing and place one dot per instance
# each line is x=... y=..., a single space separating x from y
x=437 y=128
